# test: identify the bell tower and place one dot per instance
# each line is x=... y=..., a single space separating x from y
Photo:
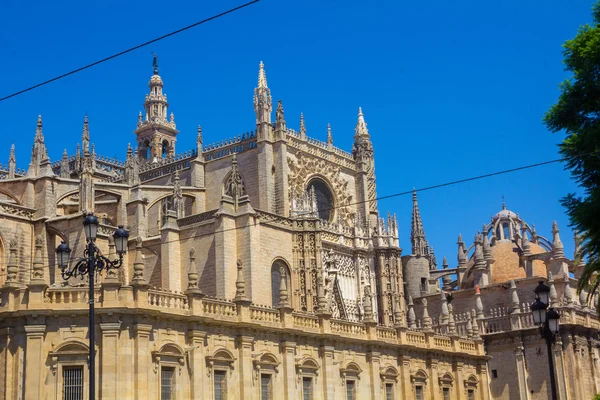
x=156 y=133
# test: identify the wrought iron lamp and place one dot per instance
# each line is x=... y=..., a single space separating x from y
x=547 y=319
x=93 y=263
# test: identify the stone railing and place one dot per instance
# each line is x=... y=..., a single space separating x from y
x=264 y=314
x=165 y=166
x=70 y=296
x=223 y=148
x=207 y=310
x=159 y=298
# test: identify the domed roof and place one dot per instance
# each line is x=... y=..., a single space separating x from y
x=504 y=213
x=155 y=80
x=506 y=264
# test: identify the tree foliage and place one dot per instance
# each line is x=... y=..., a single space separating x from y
x=577 y=113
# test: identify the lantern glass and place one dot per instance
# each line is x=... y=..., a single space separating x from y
x=538 y=309
x=543 y=292
x=62 y=254
x=552 y=318
x=121 y=235
x=90 y=225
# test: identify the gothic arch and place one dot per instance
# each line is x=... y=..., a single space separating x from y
x=67 y=194
x=327 y=211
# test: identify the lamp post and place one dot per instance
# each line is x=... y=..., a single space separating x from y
x=547 y=319
x=92 y=263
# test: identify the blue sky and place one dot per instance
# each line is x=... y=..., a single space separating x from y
x=449 y=89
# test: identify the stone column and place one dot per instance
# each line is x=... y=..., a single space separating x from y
x=559 y=370
x=245 y=364
x=329 y=377
x=34 y=361
x=143 y=361
x=521 y=370
x=374 y=359
x=196 y=340
x=170 y=253
x=484 y=384
x=109 y=376
x=288 y=351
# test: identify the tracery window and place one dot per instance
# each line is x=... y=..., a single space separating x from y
x=324 y=198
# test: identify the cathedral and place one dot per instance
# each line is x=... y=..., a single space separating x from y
x=260 y=267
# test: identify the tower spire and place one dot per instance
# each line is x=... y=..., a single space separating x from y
x=85 y=135
x=39 y=151
x=361 y=125
x=302 y=127
x=263 y=105
x=329 y=136
x=417 y=233
x=362 y=151
x=12 y=162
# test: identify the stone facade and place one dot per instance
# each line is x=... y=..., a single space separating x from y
x=489 y=294
x=256 y=265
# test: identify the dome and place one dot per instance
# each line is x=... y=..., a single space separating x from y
x=505 y=214
x=506 y=265
x=156 y=80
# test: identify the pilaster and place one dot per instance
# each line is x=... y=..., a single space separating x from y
x=288 y=349
x=329 y=378
x=374 y=359
x=196 y=340
x=110 y=360
x=33 y=361
x=245 y=363
x=143 y=361
x=521 y=370
x=170 y=256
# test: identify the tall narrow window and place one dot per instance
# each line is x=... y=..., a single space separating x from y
x=167 y=383
x=307 y=388
x=423 y=285
x=471 y=394
x=266 y=387
x=389 y=391
x=73 y=383
x=220 y=385
x=446 y=393
x=419 y=392
x=350 y=390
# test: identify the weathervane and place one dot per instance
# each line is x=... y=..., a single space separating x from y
x=155 y=64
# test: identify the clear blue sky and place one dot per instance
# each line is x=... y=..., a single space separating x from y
x=449 y=89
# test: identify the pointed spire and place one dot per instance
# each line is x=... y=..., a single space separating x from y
x=302 y=127
x=64 y=165
x=462 y=256
x=39 y=135
x=446 y=279
x=568 y=293
x=280 y=126
x=474 y=323
x=444 y=307
x=503 y=203
x=417 y=233
x=85 y=135
x=329 y=136
x=478 y=303
x=283 y=291
x=199 y=138
x=12 y=162
x=263 y=104
x=487 y=250
x=361 y=125
x=262 y=76
x=39 y=152
x=451 y=321
x=557 y=246
x=478 y=254
x=155 y=64
x=192 y=271
x=411 y=318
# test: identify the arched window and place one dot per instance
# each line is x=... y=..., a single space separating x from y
x=146 y=149
x=324 y=198
x=279 y=267
x=165 y=149
x=506 y=231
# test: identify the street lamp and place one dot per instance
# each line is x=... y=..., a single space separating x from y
x=92 y=263
x=547 y=320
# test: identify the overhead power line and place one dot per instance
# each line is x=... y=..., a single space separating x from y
x=438 y=186
x=129 y=50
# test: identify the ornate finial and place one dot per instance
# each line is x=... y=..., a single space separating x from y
x=557 y=246
x=172 y=118
x=514 y=298
x=193 y=271
x=12 y=153
x=155 y=64
x=240 y=283
x=503 y=203
x=426 y=318
x=12 y=268
x=283 y=291
x=38 y=262
x=329 y=136
x=444 y=263
x=411 y=318
x=138 y=264
x=39 y=125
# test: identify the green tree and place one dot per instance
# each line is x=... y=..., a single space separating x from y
x=577 y=113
